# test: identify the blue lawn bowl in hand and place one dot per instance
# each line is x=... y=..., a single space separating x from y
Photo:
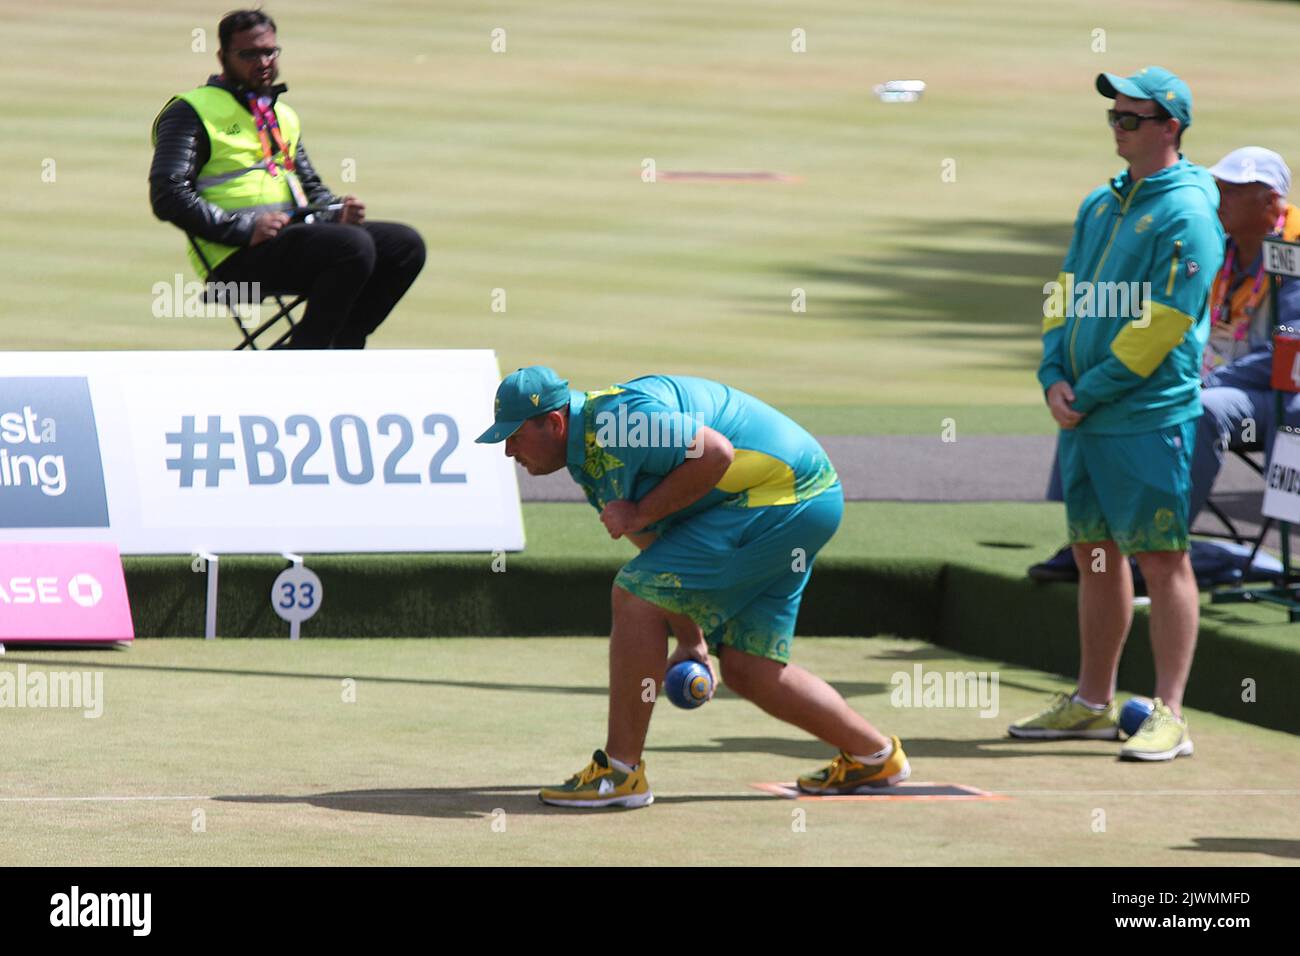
x=688 y=684
x=1135 y=712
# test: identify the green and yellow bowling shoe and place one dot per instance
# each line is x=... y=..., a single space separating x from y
x=845 y=775
x=600 y=784
x=1066 y=718
x=1162 y=736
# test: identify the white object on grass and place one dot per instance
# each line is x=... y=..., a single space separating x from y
x=899 y=91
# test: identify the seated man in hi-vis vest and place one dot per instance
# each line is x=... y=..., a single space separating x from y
x=229 y=169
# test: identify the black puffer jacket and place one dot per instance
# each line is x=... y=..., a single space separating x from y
x=181 y=149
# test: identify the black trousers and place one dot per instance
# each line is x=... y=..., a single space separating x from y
x=352 y=276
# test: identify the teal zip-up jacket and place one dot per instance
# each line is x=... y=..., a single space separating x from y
x=1127 y=321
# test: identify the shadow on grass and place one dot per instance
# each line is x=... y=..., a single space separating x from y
x=846 y=688
x=916 y=747
x=927 y=652
x=459 y=803
x=935 y=654
x=1285 y=849
x=412 y=681
x=977 y=272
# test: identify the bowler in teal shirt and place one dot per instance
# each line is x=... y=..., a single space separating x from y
x=729 y=502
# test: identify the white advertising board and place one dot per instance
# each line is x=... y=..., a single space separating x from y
x=255 y=452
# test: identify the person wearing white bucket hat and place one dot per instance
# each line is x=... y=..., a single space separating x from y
x=1237 y=400
x=1254 y=164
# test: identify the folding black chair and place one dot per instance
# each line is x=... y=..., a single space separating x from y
x=1232 y=533
x=285 y=305
x=283 y=311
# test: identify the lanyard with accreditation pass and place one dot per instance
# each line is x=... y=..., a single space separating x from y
x=1220 y=296
x=268 y=127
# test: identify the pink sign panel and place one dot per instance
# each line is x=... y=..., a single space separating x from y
x=63 y=592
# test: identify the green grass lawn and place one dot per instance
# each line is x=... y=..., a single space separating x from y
x=254 y=741
x=522 y=171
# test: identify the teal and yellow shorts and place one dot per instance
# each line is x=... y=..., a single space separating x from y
x=1130 y=489
x=738 y=572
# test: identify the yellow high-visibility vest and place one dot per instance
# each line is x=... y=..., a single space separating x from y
x=236 y=175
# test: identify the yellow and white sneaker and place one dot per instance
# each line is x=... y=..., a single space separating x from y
x=1162 y=736
x=846 y=775
x=600 y=784
x=1066 y=718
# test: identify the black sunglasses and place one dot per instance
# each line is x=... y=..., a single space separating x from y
x=1128 y=121
x=253 y=56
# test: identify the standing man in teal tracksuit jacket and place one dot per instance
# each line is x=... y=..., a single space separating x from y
x=1124 y=328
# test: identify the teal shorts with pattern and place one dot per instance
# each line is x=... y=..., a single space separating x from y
x=1130 y=489
x=739 y=573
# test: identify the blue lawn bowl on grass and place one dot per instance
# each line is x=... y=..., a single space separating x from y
x=1137 y=710
x=688 y=684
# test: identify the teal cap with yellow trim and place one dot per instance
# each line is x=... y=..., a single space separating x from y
x=1151 y=83
x=524 y=394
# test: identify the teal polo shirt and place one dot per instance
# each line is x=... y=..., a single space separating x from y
x=624 y=439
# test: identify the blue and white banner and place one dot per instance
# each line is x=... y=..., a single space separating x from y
x=50 y=470
x=1282 y=489
x=247 y=452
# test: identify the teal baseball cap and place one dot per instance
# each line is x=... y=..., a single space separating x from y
x=1151 y=83
x=524 y=394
